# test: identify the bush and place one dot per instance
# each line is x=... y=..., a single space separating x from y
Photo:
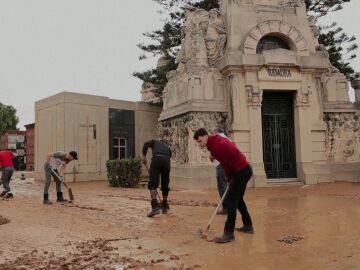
x=124 y=172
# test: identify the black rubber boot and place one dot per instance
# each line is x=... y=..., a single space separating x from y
x=165 y=207
x=46 y=199
x=246 y=229
x=2 y=194
x=155 y=209
x=225 y=238
x=60 y=197
x=9 y=195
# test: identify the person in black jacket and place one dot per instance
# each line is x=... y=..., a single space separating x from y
x=160 y=165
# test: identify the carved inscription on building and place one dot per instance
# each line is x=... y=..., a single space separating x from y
x=279 y=72
x=275 y=73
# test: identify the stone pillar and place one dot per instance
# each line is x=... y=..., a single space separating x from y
x=305 y=167
x=356 y=85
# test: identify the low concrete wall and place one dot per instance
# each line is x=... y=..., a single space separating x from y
x=349 y=172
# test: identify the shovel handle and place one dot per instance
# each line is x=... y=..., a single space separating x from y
x=217 y=208
x=59 y=178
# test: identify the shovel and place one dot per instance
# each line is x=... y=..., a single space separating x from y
x=71 y=196
x=204 y=233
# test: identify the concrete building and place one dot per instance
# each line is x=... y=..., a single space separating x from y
x=98 y=128
x=30 y=147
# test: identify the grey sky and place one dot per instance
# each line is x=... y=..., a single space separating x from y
x=87 y=46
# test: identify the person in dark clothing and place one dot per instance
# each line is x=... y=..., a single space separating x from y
x=238 y=173
x=160 y=166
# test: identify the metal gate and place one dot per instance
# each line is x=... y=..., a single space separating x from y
x=278 y=135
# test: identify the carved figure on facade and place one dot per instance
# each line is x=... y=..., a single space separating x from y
x=203 y=44
x=203 y=39
x=342 y=138
x=254 y=94
x=179 y=131
x=215 y=37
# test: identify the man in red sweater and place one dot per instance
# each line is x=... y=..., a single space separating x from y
x=238 y=173
x=7 y=165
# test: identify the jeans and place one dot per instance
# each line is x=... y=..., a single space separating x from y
x=7 y=172
x=221 y=180
x=235 y=199
x=48 y=174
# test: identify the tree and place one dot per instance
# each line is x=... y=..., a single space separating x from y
x=167 y=40
x=8 y=118
x=340 y=46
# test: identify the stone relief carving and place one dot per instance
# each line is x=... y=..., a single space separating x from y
x=334 y=86
x=215 y=37
x=342 y=138
x=303 y=96
x=147 y=93
x=254 y=95
x=179 y=132
x=292 y=3
x=203 y=39
x=313 y=26
x=203 y=45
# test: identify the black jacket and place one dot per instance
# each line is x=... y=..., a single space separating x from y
x=159 y=148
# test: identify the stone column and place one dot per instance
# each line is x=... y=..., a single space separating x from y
x=356 y=85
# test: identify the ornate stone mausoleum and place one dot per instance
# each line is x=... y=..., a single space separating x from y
x=256 y=68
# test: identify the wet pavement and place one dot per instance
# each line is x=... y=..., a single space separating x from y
x=296 y=227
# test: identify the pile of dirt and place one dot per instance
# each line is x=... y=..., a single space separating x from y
x=85 y=207
x=290 y=239
x=96 y=254
x=4 y=220
x=202 y=203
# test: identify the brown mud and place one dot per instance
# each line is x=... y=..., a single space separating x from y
x=300 y=227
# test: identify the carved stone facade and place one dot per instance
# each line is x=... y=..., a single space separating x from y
x=343 y=134
x=249 y=52
x=147 y=93
x=179 y=132
x=203 y=45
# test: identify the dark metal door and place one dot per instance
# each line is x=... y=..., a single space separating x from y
x=278 y=135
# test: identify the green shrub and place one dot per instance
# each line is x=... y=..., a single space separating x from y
x=124 y=172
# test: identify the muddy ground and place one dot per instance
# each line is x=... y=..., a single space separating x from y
x=296 y=227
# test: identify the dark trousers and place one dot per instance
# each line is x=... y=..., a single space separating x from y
x=221 y=180
x=6 y=175
x=159 y=167
x=235 y=199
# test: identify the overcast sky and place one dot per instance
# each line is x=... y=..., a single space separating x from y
x=86 y=46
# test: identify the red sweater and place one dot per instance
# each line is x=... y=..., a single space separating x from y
x=6 y=159
x=226 y=152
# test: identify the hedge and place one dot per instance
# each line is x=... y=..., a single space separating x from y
x=124 y=172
